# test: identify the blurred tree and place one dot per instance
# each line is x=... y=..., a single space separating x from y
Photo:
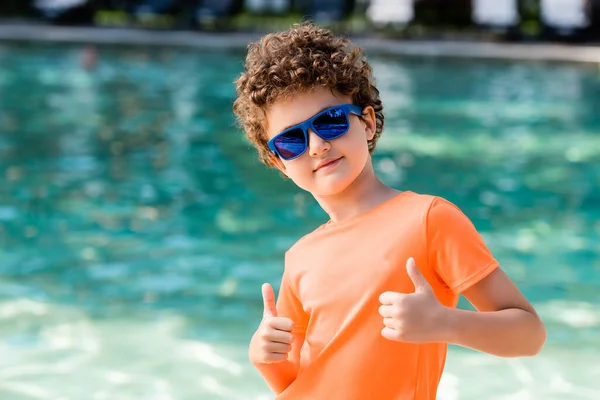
x=216 y=13
x=593 y=7
x=530 y=25
x=454 y=13
x=326 y=10
x=158 y=13
x=16 y=8
x=269 y=7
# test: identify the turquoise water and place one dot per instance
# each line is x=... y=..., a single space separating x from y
x=136 y=226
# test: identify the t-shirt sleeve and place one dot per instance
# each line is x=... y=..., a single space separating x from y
x=456 y=251
x=289 y=305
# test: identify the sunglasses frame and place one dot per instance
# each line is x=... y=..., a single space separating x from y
x=304 y=126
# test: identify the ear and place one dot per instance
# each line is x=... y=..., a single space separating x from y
x=368 y=117
x=277 y=163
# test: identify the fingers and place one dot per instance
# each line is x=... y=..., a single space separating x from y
x=281 y=323
x=274 y=344
x=273 y=358
x=388 y=297
x=415 y=275
x=277 y=348
x=273 y=340
x=268 y=295
x=386 y=311
x=274 y=335
x=390 y=323
x=388 y=333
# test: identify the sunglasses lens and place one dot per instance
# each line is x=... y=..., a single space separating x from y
x=290 y=144
x=331 y=124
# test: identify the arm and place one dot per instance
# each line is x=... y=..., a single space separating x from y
x=505 y=323
x=276 y=345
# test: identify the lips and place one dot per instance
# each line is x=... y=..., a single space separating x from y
x=327 y=163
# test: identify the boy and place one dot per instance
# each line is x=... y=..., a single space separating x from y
x=367 y=302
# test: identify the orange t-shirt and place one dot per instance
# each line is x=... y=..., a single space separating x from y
x=331 y=285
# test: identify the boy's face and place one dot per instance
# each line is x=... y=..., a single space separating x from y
x=349 y=153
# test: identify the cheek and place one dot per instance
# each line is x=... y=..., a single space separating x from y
x=356 y=143
x=299 y=171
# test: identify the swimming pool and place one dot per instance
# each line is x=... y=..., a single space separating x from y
x=136 y=225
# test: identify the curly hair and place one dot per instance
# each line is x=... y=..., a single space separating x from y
x=299 y=60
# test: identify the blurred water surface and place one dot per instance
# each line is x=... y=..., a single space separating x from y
x=136 y=225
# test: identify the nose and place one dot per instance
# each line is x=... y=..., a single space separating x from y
x=316 y=144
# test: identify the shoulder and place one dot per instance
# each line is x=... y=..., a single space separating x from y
x=427 y=205
x=446 y=223
x=435 y=212
x=443 y=211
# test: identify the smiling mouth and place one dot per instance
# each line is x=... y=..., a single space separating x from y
x=329 y=164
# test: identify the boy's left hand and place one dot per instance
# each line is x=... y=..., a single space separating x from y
x=412 y=317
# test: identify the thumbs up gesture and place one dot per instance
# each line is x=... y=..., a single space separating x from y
x=413 y=317
x=273 y=339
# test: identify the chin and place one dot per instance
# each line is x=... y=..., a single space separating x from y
x=332 y=185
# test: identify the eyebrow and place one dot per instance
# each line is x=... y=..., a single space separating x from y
x=320 y=111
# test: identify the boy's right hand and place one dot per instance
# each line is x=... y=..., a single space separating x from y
x=273 y=339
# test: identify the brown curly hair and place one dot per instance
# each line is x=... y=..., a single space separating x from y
x=299 y=60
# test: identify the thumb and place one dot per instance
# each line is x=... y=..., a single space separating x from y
x=415 y=276
x=268 y=301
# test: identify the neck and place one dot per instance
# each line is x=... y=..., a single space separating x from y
x=365 y=193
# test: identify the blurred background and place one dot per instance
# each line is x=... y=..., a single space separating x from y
x=575 y=20
x=137 y=225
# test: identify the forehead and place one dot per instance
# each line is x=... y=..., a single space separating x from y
x=300 y=107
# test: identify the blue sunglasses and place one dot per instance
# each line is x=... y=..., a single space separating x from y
x=329 y=124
